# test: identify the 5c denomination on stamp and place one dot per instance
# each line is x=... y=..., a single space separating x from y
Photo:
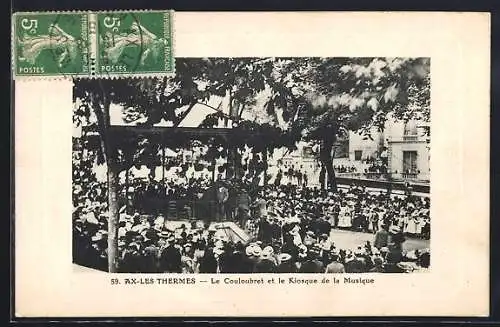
x=134 y=42
x=93 y=44
x=51 y=44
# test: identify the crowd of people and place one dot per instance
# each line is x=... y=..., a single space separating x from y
x=345 y=169
x=290 y=228
x=290 y=174
x=376 y=168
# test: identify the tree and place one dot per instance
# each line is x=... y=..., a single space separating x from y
x=314 y=99
x=323 y=98
x=95 y=99
x=363 y=92
x=147 y=102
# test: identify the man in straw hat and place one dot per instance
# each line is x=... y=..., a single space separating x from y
x=286 y=264
x=312 y=264
x=266 y=264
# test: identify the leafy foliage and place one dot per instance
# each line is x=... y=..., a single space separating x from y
x=313 y=99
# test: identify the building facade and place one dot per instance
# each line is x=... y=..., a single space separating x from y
x=409 y=151
x=403 y=147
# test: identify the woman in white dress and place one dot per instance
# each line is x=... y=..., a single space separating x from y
x=403 y=218
x=412 y=227
x=381 y=215
x=345 y=216
x=418 y=225
x=368 y=215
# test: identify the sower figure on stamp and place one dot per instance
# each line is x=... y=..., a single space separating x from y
x=56 y=40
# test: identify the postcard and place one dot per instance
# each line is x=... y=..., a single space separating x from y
x=251 y=164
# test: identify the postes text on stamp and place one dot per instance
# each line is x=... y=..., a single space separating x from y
x=134 y=42
x=51 y=44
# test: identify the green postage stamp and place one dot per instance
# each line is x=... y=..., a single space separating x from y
x=92 y=44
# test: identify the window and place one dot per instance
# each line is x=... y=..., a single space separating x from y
x=410 y=162
x=410 y=128
x=357 y=155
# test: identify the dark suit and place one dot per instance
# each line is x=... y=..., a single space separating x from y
x=222 y=197
x=312 y=266
x=170 y=260
x=381 y=239
x=355 y=266
x=265 y=266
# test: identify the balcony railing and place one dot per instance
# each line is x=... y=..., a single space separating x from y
x=386 y=177
x=410 y=138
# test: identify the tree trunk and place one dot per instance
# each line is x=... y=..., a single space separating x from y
x=113 y=213
x=322 y=177
x=109 y=152
x=163 y=166
x=112 y=174
x=127 y=169
x=214 y=163
x=238 y=173
x=264 y=160
x=327 y=163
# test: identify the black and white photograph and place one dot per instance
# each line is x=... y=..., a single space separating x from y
x=255 y=165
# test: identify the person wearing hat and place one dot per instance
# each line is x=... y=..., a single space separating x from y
x=247 y=262
x=276 y=230
x=255 y=255
x=381 y=238
x=362 y=256
x=291 y=235
x=325 y=242
x=97 y=252
x=392 y=261
x=396 y=241
x=323 y=226
x=291 y=241
x=352 y=262
x=223 y=211
x=266 y=263
x=151 y=235
x=335 y=266
x=89 y=217
x=131 y=259
x=233 y=261
x=208 y=263
x=225 y=256
x=199 y=253
x=187 y=259
x=170 y=257
x=378 y=264
x=158 y=224
x=286 y=264
x=268 y=254
x=312 y=264
x=374 y=220
x=151 y=253
x=259 y=206
x=81 y=242
x=309 y=238
x=265 y=230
